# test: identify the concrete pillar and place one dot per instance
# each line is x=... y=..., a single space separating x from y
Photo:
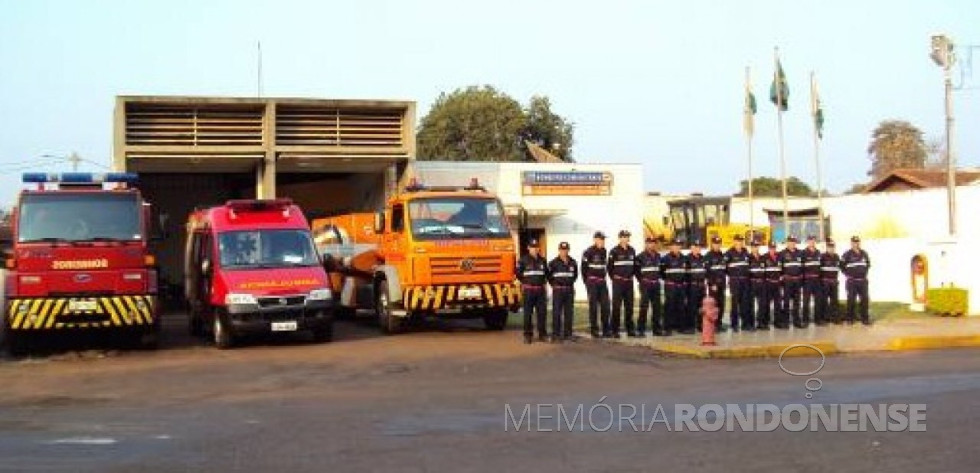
x=265 y=177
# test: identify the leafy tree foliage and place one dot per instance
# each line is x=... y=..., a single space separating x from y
x=896 y=144
x=773 y=187
x=480 y=123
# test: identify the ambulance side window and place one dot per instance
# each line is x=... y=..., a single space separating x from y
x=397 y=218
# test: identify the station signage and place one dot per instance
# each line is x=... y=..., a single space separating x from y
x=566 y=183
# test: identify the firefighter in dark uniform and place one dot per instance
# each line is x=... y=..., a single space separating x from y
x=812 y=287
x=760 y=288
x=717 y=279
x=774 y=289
x=697 y=286
x=562 y=274
x=737 y=268
x=855 y=263
x=829 y=277
x=594 y=276
x=622 y=270
x=648 y=275
x=791 y=261
x=532 y=271
x=673 y=267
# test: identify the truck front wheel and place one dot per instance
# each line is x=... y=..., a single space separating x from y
x=389 y=323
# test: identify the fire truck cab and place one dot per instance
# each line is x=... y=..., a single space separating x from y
x=80 y=260
x=251 y=268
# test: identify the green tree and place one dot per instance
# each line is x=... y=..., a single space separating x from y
x=896 y=144
x=856 y=188
x=772 y=187
x=481 y=123
x=548 y=129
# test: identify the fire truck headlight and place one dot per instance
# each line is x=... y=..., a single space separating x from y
x=320 y=295
x=30 y=279
x=240 y=299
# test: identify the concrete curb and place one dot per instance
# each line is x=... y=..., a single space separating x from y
x=933 y=342
x=758 y=351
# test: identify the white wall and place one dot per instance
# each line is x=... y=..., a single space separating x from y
x=894 y=227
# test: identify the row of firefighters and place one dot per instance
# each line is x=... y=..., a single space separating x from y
x=764 y=288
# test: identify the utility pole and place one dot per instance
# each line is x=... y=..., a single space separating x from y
x=944 y=57
x=74 y=159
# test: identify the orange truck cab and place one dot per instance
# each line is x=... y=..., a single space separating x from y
x=80 y=260
x=432 y=251
x=251 y=268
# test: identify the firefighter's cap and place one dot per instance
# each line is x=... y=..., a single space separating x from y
x=599 y=235
x=563 y=246
x=792 y=239
x=739 y=238
x=532 y=243
x=855 y=239
x=716 y=239
x=624 y=233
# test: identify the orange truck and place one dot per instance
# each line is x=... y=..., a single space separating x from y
x=431 y=252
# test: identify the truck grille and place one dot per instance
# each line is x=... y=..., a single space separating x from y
x=455 y=266
x=281 y=301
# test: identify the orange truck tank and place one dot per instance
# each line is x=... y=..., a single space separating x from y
x=432 y=251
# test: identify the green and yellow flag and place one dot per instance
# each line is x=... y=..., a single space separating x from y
x=779 y=90
x=816 y=109
x=749 y=109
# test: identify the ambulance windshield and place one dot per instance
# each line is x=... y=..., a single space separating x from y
x=457 y=217
x=74 y=217
x=252 y=249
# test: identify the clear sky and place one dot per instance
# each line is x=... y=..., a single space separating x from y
x=654 y=82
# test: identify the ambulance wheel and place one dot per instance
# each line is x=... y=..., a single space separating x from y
x=223 y=339
x=323 y=334
x=495 y=319
x=389 y=323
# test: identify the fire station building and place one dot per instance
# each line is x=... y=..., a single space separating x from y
x=338 y=156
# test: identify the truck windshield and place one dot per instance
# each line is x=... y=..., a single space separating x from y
x=79 y=217
x=462 y=217
x=266 y=249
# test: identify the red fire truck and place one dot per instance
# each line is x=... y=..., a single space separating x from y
x=80 y=260
x=251 y=267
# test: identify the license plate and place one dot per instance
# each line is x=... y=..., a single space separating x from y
x=82 y=306
x=284 y=326
x=470 y=292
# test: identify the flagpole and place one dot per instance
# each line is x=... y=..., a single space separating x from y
x=816 y=152
x=782 y=153
x=748 y=145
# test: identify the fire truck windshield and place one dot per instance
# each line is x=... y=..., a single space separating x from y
x=266 y=249
x=74 y=217
x=459 y=217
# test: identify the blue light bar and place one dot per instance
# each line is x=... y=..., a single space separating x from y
x=35 y=178
x=123 y=177
x=79 y=178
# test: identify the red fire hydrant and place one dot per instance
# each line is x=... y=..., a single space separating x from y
x=709 y=315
